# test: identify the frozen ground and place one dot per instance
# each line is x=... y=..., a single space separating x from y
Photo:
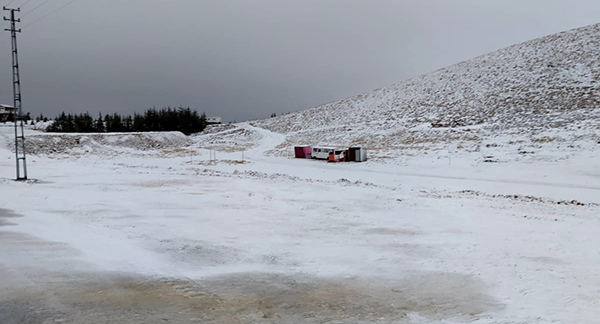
x=169 y=236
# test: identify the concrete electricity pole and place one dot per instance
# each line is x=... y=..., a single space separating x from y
x=18 y=116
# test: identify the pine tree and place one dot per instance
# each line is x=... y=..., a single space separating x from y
x=99 y=124
x=108 y=123
x=138 y=123
x=117 y=124
x=127 y=124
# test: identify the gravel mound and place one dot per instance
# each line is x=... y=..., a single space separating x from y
x=226 y=138
x=103 y=143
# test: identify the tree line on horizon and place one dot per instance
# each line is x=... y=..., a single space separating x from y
x=185 y=120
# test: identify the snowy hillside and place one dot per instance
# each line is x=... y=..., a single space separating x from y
x=545 y=91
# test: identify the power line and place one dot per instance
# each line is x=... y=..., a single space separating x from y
x=49 y=14
x=26 y=2
x=32 y=10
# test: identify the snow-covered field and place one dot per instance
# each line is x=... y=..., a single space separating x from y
x=114 y=233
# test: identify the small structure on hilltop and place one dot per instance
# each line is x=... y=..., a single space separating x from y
x=6 y=111
x=303 y=152
x=213 y=120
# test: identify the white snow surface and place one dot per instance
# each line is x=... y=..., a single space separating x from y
x=431 y=241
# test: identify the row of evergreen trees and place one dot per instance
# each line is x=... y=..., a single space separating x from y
x=181 y=119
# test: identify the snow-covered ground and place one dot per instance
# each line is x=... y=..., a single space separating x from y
x=177 y=237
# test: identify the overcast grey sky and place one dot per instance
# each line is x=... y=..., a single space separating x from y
x=244 y=59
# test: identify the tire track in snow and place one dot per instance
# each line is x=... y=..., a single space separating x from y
x=269 y=141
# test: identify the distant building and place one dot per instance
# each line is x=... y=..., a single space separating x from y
x=213 y=120
x=6 y=111
x=303 y=152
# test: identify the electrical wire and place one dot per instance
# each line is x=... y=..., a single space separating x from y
x=8 y=4
x=48 y=14
x=26 y=2
x=35 y=8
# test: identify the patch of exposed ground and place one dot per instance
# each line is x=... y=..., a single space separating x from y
x=391 y=231
x=528 y=198
x=247 y=298
x=5 y=214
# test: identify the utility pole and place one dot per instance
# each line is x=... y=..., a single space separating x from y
x=18 y=116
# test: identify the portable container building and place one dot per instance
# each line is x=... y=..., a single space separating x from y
x=357 y=154
x=363 y=155
x=303 y=152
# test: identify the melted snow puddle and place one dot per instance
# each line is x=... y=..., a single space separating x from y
x=49 y=286
x=247 y=298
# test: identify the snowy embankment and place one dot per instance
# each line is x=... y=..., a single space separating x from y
x=103 y=144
